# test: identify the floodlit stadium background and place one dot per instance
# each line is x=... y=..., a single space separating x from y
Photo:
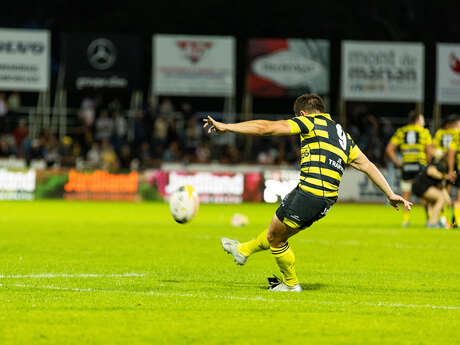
x=86 y=97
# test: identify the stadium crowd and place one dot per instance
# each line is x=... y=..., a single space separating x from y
x=104 y=135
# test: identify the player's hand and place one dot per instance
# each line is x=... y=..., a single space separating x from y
x=214 y=126
x=396 y=199
x=452 y=176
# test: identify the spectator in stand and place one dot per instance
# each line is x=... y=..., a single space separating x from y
x=14 y=101
x=145 y=155
x=82 y=133
x=37 y=149
x=125 y=158
x=108 y=157
x=21 y=132
x=172 y=153
x=3 y=113
x=160 y=132
x=374 y=144
x=52 y=156
x=104 y=126
x=66 y=152
x=138 y=126
x=120 y=129
x=167 y=108
x=187 y=110
x=203 y=153
x=93 y=157
x=6 y=149
x=88 y=111
x=192 y=138
x=150 y=114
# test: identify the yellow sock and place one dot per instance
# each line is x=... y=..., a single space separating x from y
x=285 y=259
x=255 y=245
x=457 y=213
x=406 y=216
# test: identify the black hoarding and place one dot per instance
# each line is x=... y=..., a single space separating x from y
x=101 y=61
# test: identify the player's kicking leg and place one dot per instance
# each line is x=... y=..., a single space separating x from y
x=297 y=211
x=406 y=188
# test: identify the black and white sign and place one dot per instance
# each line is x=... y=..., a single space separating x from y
x=448 y=74
x=24 y=60
x=102 y=61
x=383 y=71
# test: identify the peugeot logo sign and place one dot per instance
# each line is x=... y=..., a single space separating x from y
x=102 y=54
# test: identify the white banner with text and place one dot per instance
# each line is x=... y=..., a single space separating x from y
x=383 y=71
x=24 y=59
x=193 y=65
x=448 y=74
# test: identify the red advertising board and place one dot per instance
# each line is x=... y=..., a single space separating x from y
x=287 y=67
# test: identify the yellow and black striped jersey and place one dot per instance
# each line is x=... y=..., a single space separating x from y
x=325 y=151
x=412 y=141
x=455 y=145
x=443 y=138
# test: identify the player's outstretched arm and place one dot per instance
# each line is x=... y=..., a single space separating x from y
x=253 y=127
x=362 y=163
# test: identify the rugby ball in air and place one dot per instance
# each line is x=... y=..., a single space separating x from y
x=183 y=204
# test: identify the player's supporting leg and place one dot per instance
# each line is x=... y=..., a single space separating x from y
x=406 y=187
x=278 y=234
x=436 y=197
x=255 y=245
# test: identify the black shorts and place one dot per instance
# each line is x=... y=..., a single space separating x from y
x=457 y=180
x=410 y=170
x=300 y=209
x=419 y=189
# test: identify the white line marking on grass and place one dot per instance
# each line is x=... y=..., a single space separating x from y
x=72 y=275
x=257 y=299
x=369 y=244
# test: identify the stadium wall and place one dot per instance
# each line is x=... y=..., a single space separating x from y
x=214 y=184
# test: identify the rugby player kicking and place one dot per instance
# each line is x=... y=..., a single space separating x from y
x=326 y=149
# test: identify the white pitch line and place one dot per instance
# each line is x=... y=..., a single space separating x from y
x=257 y=299
x=72 y=275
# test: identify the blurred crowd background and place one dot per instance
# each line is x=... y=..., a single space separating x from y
x=104 y=134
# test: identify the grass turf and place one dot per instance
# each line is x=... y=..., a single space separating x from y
x=366 y=280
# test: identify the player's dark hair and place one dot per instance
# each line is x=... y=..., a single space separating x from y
x=413 y=116
x=310 y=103
x=452 y=118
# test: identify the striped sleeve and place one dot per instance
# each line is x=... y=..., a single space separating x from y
x=437 y=138
x=354 y=151
x=397 y=138
x=300 y=124
x=427 y=136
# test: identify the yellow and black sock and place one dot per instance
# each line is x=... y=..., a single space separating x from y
x=457 y=212
x=255 y=245
x=285 y=259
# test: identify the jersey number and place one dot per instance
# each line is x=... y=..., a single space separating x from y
x=342 y=137
x=446 y=140
x=411 y=138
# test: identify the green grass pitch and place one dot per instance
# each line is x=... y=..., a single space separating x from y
x=123 y=273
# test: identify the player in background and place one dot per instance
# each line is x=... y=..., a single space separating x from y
x=442 y=140
x=326 y=149
x=415 y=145
x=453 y=163
x=430 y=186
